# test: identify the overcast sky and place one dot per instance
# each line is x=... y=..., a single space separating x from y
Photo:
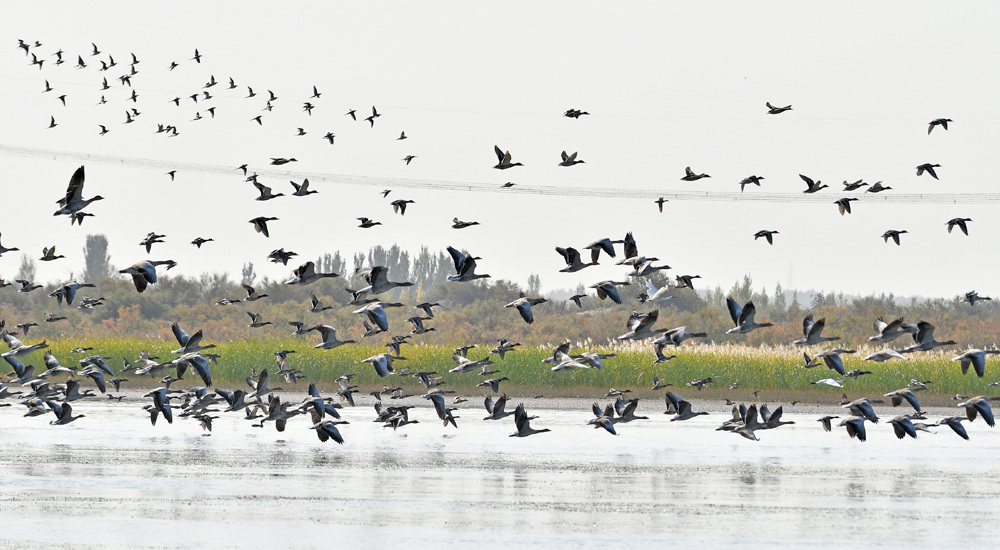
x=668 y=85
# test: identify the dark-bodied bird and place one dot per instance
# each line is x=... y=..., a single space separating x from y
x=504 y=159
x=144 y=272
x=260 y=224
x=689 y=175
x=750 y=180
x=812 y=186
x=960 y=222
x=844 y=205
x=943 y=122
x=772 y=110
x=929 y=168
x=894 y=235
x=765 y=234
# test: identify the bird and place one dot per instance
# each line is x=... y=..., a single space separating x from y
x=151 y=239
x=877 y=187
x=888 y=332
x=960 y=222
x=689 y=175
x=49 y=254
x=924 y=339
x=854 y=186
x=329 y=335
x=306 y=274
x=399 y=206
x=504 y=159
x=52 y=122
x=568 y=160
x=73 y=201
x=885 y=355
x=523 y=305
x=971 y=297
x=943 y=122
x=833 y=360
x=844 y=205
x=465 y=267
x=855 y=427
x=367 y=223
x=278 y=161
x=64 y=415
x=743 y=317
x=825 y=421
x=574 y=113
x=144 y=273
x=929 y=168
x=640 y=326
x=812 y=332
x=68 y=291
x=765 y=234
x=522 y=423
x=978 y=405
x=812 y=186
x=260 y=224
x=898 y=396
x=200 y=241
x=459 y=224
x=893 y=234
x=772 y=110
x=976 y=358
x=572 y=258
x=408 y=158
x=659 y=202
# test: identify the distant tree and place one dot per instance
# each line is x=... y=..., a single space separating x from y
x=780 y=305
x=28 y=268
x=249 y=276
x=818 y=299
x=534 y=285
x=97 y=262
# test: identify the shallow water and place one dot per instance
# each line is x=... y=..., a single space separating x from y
x=112 y=479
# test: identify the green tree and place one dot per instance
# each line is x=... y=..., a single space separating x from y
x=96 y=260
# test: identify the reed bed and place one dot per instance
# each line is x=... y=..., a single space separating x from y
x=753 y=368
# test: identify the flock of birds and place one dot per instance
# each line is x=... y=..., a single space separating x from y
x=259 y=402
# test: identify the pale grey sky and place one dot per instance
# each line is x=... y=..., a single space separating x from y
x=669 y=85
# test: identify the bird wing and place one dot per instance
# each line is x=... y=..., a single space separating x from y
x=735 y=311
x=74 y=191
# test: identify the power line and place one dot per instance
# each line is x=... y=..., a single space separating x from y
x=482 y=187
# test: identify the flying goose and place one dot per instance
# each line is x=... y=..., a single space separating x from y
x=885 y=355
x=144 y=272
x=399 y=205
x=569 y=160
x=943 y=122
x=750 y=180
x=607 y=289
x=854 y=186
x=689 y=175
x=976 y=358
x=572 y=258
x=844 y=205
x=812 y=332
x=49 y=254
x=743 y=317
x=855 y=427
x=504 y=159
x=260 y=224
x=640 y=326
x=972 y=296
x=523 y=305
x=73 y=201
x=496 y=408
x=906 y=393
x=676 y=336
x=833 y=360
x=68 y=291
x=522 y=423
x=877 y=187
x=765 y=234
x=978 y=405
x=772 y=110
x=929 y=168
x=955 y=423
x=329 y=335
x=888 y=332
x=960 y=222
x=465 y=267
x=893 y=234
x=812 y=186
x=924 y=339
x=306 y=274
x=378 y=281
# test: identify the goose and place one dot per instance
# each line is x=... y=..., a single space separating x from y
x=689 y=175
x=603 y=418
x=853 y=186
x=378 y=281
x=660 y=357
x=686 y=281
x=327 y=429
x=676 y=336
x=829 y=382
x=812 y=332
x=52 y=122
x=572 y=258
x=765 y=234
x=607 y=289
x=972 y=296
x=73 y=201
x=750 y=180
x=492 y=383
x=606 y=245
x=523 y=305
x=382 y=363
x=569 y=160
x=252 y=295
x=893 y=234
x=943 y=122
x=640 y=326
x=443 y=412
x=265 y=192
x=885 y=355
x=302 y=189
x=645 y=269
x=888 y=332
x=855 y=427
x=772 y=110
x=522 y=423
x=316 y=306
x=700 y=383
x=144 y=273
x=260 y=224
x=367 y=223
x=812 y=186
x=161 y=404
x=198 y=363
x=857 y=373
x=464 y=364
x=399 y=205
x=256 y=320
x=188 y=343
x=260 y=386
x=659 y=384
x=306 y=274
x=72 y=391
x=574 y=113
x=329 y=335
x=64 y=415
x=68 y=291
x=929 y=168
x=960 y=222
x=593 y=359
x=279 y=413
x=810 y=361
x=496 y=408
x=4 y=249
x=655 y=295
x=49 y=254
x=375 y=312
x=877 y=187
x=459 y=224
x=924 y=339
x=97 y=362
x=465 y=267
x=906 y=393
x=52 y=318
x=684 y=411
x=955 y=423
x=978 y=405
x=844 y=205
x=563 y=361
x=743 y=317
x=418 y=325
x=426 y=308
x=200 y=241
x=504 y=346
x=976 y=358
x=504 y=159
x=278 y=161
x=825 y=421
x=833 y=360
x=862 y=408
